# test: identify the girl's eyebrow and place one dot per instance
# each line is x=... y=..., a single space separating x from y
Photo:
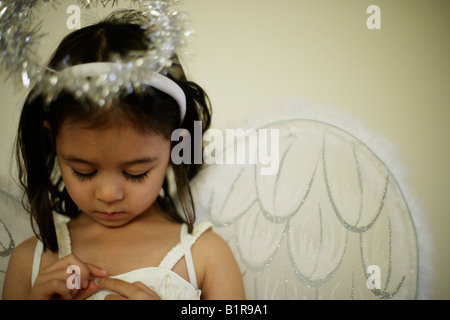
x=72 y=158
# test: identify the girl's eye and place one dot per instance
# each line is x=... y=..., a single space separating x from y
x=136 y=177
x=83 y=176
x=133 y=177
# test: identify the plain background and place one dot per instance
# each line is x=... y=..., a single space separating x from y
x=255 y=56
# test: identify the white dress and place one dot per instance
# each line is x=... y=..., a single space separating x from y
x=166 y=283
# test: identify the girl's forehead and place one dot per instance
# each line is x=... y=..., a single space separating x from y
x=79 y=134
x=118 y=127
x=103 y=146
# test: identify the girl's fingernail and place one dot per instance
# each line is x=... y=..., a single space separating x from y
x=96 y=280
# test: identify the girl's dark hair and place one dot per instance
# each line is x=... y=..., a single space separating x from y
x=150 y=111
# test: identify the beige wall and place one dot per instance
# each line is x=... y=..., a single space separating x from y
x=253 y=55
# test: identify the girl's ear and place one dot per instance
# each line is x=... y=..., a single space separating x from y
x=48 y=129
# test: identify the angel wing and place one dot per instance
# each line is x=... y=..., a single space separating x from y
x=331 y=224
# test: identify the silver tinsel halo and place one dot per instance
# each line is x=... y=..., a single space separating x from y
x=20 y=37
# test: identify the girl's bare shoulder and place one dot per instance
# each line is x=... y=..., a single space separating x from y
x=24 y=252
x=219 y=274
x=18 y=274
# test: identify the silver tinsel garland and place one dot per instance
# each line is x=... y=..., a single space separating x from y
x=20 y=37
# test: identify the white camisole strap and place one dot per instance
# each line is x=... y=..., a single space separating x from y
x=183 y=248
x=62 y=235
x=188 y=256
x=36 y=261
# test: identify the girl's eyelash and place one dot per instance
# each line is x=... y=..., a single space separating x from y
x=88 y=176
x=138 y=177
x=83 y=176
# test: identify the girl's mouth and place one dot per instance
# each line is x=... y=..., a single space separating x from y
x=110 y=215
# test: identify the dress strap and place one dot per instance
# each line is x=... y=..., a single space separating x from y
x=36 y=261
x=183 y=248
x=62 y=234
x=188 y=256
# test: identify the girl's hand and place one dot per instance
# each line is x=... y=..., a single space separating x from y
x=51 y=282
x=126 y=291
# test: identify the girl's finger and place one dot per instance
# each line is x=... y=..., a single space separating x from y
x=57 y=289
x=115 y=297
x=85 y=293
x=52 y=285
x=77 y=270
x=121 y=287
x=67 y=278
x=96 y=271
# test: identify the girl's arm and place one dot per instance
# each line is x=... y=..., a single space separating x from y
x=221 y=278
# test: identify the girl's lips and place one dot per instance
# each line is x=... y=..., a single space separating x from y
x=110 y=215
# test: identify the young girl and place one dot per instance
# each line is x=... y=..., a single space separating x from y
x=98 y=190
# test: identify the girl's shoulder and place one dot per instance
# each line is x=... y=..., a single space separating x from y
x=219 y=275
x=24 y=252
x=208 y=238
x=209 y=246
x=18 y=273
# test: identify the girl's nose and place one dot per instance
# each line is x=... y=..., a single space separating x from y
x=109 y=190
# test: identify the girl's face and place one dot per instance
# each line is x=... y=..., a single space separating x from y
x=114 y=174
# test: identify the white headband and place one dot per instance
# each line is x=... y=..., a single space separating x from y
x=153 y=79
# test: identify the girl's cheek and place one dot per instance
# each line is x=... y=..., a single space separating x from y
x=77 y=189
